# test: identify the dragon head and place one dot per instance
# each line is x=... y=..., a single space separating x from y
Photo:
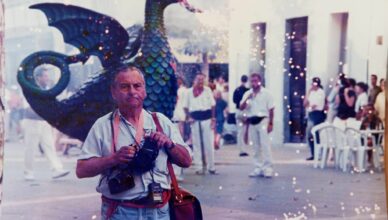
x=184 y=3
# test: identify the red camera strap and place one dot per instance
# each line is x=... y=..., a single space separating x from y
x=115 y=133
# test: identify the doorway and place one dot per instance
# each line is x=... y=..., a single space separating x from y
x=295 y=79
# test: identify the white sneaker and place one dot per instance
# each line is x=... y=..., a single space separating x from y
x=59 y=173
x=268 y=173
x=29 y=176
x=256 y=173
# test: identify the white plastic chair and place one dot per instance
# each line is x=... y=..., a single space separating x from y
x=357 y=140
x=327 y=142
x=341 y=148
x=318 y=144
x=335 y=140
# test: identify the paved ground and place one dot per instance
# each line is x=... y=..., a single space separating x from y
x=297 y=191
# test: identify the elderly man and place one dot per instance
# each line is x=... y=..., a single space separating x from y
x=259 y=107
x=114 y=143
x=200 y=109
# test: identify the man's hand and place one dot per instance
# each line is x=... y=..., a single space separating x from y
x=213 y=123
x=246 y=101
x=162 y=140
x=190 y=120
x=96 y=165
x=124 y=155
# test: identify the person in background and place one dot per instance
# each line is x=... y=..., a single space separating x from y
x=259 y=106
x=225 y=93
x=374 y=89
x=345 y=100
x=237 y=96
x=179 y=113
x=37 y=132
x=14 y=116
x=221 y=107
x=370 y=121
x=380 y=102
x=362 y=99
x=219 y=83
x=332 y=111
x=200 y=111
x=314 y=102
x=179 y=118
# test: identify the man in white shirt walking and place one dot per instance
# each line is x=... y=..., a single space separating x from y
x=259 y=107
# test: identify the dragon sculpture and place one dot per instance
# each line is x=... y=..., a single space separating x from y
x=100 y=35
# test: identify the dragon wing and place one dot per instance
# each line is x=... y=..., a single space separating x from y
x=91 y=32
x=135 y=33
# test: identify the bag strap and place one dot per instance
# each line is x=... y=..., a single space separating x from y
x=174 y=182
x=115 y=132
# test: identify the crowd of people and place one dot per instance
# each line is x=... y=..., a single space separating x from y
x=192 y=136
x=201 y=112
x=348 y=104
x=205 y=110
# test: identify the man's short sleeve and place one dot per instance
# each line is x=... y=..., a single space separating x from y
x=186 y=99
x=92 y=145
x=244 y=97
x=212 y=102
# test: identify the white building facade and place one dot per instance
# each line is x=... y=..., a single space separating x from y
x=291 y=41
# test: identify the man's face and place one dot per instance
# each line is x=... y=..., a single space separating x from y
x=373 y=80
x=43 y=79
x=199 y=80
x=179 y=82
x=255 y=82
x=128 y=89
x=358 y=90
x=314 y=85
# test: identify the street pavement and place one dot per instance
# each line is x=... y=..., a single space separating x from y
x=297 y=190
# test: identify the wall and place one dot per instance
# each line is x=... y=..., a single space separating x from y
x=365 y=23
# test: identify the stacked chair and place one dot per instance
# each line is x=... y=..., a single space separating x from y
x=349 y=145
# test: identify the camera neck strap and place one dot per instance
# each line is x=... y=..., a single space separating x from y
x=139 y=129
x=174 y=182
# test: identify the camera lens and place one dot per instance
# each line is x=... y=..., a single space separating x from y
x=128 y=180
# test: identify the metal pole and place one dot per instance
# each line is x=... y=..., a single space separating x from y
x=203 y=155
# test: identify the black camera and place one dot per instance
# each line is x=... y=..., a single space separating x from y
x=144 y=159
x=121 y=182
